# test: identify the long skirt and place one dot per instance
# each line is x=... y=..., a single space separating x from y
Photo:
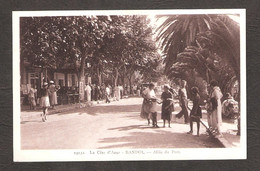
x=147 y=109
x=53 y=98
x=167 y=113
x=88 y=94
x=117 y=94
x=45 y=102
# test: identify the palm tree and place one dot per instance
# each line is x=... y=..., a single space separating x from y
x=179 y=31
x=224 y=39
x=218 y=32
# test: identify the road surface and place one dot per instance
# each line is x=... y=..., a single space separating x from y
x=113 y=125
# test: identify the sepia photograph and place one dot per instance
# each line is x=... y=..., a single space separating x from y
x=129 y=85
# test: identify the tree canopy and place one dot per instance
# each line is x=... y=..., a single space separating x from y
x=205 y=45
x=106 y=43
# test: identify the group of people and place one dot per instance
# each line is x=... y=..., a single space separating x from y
x=213 y=106
x=48 y=97
x=95 y=92
x=150 y=101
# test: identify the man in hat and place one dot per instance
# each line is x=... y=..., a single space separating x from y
x=183 y=101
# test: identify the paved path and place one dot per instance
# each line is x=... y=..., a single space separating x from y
x=113 y=125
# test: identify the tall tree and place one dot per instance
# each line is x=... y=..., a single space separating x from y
x=179 y=31
x=52 y=42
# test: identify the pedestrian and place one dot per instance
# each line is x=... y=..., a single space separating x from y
x=32 y=98
x=53 y=94
x=148 y=110
x=195 y=113
x=107 y=93
x=88 y=92
x=117 y=92
x=121 y=91
x=215 y=99
x=167 y=105
x=138 y=91
x=183 y=101
x=134 y=89
x=45 y=102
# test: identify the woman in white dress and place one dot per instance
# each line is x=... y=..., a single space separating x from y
x=53 y=94
x=148 y=110
x=45 y=102
x=117 y=92
x=215 y=98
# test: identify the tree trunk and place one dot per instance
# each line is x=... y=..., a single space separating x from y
x=116 y=77
x=82 y=78
x=130 y=82
x=99 y=76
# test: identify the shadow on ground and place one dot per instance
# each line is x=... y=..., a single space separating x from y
x=157 y=139
x=37 y=121
x=114 y=109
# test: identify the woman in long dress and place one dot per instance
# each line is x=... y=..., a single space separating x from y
x=216 y=96
x=117 y=92
x=31 y=96
x=53 y=94
x=167 y=105
x=45 y=102
x=148 y=110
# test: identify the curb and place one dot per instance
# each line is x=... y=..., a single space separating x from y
x=221 y=140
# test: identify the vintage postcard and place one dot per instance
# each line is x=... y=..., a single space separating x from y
x=115 y=85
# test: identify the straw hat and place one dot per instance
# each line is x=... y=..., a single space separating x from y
x=45 y=84
x=51 y=82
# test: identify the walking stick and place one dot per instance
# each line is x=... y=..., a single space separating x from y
x=207 y=129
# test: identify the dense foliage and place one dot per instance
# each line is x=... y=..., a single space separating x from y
x=201 y=47
x=117 y=45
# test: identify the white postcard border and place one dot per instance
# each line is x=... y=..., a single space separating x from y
x=112 y=154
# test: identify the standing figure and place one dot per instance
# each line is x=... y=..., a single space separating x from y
x=149 y=105
x=88 y=92
x=31 y=96
x=107 y=93
x=121 y=91
x=215 y=99
x=53 y=94
x=138 y=91
x=117 y=92
x=183 y=101
x=195 y=113
x=167 y=105
x=45 y=102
